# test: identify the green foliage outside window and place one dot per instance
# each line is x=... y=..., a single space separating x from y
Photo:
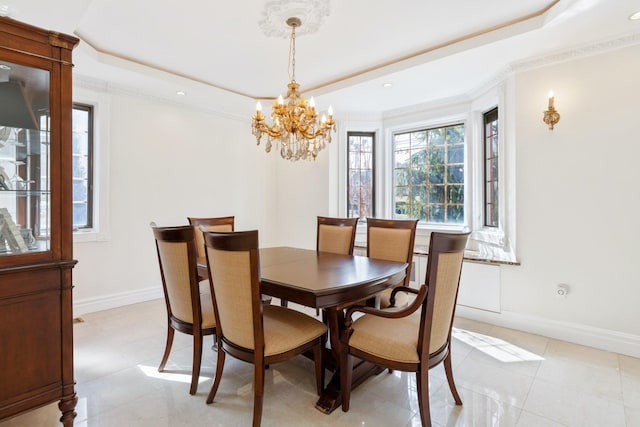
x=429 y=175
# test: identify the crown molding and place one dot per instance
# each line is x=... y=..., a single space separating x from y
x=565 y=55
x=577 y=52
x=117 y=89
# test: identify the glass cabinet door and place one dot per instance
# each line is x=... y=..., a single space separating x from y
x=25 y=216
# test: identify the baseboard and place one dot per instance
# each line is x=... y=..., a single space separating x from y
x=107 y=302
x=604 y=339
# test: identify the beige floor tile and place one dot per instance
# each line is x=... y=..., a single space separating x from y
x=505 y=378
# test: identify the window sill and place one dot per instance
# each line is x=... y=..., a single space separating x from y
x=470 y=256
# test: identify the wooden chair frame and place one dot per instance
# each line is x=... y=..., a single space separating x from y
x=440 y=243
x=185 y=234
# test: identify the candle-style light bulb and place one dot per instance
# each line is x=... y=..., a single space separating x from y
x=312 y=102
x=280 y=100
x=330 y=111
x=551 y=99
x=258 y=106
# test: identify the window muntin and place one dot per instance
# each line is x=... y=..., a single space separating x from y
x=429 y=174
x=360 y=174
x=82 y=166
x=491 y=176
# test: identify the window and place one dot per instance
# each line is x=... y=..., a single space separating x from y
x=491 y=180
x=429 y=174
x=360 y=178
x=82 y=167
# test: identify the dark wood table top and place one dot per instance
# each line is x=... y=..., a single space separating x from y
x=321 y=279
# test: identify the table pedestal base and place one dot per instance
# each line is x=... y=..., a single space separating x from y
x=331 y=397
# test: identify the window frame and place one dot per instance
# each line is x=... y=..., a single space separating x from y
x=487 y=118
x=100 y=215
x=371 y=134
x=445 y=183
x=90 y=165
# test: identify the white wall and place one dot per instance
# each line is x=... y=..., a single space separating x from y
x=167 y=162
x=577 y=194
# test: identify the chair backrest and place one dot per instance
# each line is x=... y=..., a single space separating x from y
x=234 y=266
x=202 y=225
x=336 y=235
x=444 y=265
x=176 y=249
x=392 y=240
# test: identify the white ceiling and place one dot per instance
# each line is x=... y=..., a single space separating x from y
x=428 y=49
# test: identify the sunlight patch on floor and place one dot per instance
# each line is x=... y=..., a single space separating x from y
x=495 y=347
x=168 y=375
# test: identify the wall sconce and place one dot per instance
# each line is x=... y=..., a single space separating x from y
x=551 y=116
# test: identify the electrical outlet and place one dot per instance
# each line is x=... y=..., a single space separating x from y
x=562 y=290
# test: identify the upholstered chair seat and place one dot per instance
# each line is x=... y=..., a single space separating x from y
x=391 y=339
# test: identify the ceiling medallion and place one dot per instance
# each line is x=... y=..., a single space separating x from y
x=276 y=13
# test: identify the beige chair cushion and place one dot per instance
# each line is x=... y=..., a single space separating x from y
x=231 y=274
x=447 y=281
x=286 y=329
x=392 y=339
x=206 y=302
x=334 y=238
x=175 y=265
x=391 y=244
x=199 y=232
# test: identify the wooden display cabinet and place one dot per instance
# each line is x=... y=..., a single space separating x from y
x=36 y=260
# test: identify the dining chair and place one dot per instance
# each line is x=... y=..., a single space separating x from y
x=336 y=235
x=414 y=338
x=247 y=329
x=392 y=240
x=201 y=225
x=188 y=300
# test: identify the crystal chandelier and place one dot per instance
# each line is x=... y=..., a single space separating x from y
x=295 y=122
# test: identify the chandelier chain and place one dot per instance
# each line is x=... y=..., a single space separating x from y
x=292 y=54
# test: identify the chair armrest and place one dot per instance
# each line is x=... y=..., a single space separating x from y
x=392 y=298
x=391 y=314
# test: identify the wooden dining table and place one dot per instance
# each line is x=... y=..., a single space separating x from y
x=326 y=281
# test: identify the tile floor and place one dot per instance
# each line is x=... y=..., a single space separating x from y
x=505 y=378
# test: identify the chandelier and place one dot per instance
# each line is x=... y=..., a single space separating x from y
x=295 y=121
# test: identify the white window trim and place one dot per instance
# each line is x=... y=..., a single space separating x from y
x=495 y=244
x=100 y=229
